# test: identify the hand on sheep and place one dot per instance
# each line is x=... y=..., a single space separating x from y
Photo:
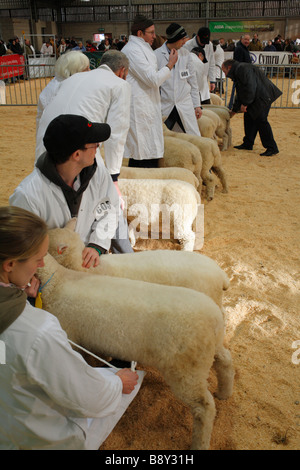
x=198 y=112
x=90 y=258
x=243 y=108
x=129 y=380
x=212 y=86
x=33 y=287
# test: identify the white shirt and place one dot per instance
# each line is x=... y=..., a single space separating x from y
x=46 y=50
x=47 y=390
x=46 y=96
x=99 y=96
x=181 y=89
x=145 y=137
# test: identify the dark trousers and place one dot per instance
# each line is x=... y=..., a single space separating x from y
x=172 y=119
x=151 y=163
x=259 y=125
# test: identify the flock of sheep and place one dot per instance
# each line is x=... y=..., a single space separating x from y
x=161 y=308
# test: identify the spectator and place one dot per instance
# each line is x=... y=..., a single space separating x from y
x=278 y=44
x=270 y=47
x=15 y=46
x=203 y=40
x=241 y=51
x=230 y=46
x=145 y=142
x=79 y=47
x=44 y=383
x=90 y=47
x=223 y=43
x=289 y=45
x=62 y=47
x=255 y=94
x=255 y=44
x=2 y=48
x=66 y=65
x=47 y=49
x=180 y=99
x=29 y=49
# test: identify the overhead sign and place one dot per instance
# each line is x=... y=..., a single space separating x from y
x=240 y=26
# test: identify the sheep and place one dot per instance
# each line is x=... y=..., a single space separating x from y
x=211 y=159
x=178 y=202
x=168 y=267
x=223 y=131
x=175 y=155
x=178 y=331
x=215 y=99
x=181 y=174
x=207 y=127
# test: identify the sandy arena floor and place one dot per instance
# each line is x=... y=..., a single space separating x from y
x=253 y=233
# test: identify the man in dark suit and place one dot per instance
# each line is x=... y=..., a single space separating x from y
x=254 y=95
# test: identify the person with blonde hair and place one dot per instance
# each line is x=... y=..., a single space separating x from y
x=66 y=65
x=50 y=398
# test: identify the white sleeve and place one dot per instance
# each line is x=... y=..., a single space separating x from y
x=119 y=120
x=192 y=80
x=68 y=380
x=143 y=71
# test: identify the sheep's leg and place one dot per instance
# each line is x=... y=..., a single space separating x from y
x=222 y=176
x=225 y=373
x=203 y=419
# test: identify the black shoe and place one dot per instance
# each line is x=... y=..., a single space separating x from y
x=242 y=147
x=269 y=153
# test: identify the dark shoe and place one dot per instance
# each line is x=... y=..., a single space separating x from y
x=269 y=153
x=242 y=147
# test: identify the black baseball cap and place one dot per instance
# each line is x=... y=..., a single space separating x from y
x=69 y=132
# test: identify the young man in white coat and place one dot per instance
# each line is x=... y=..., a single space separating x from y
x=202 y=39
x=100 y=95
x=68 y=181
x=180 y=99
x=145 y=143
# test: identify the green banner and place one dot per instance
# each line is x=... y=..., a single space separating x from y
x=240 y=26
x=94 y=58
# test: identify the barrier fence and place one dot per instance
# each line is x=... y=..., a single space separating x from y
x=21 y=81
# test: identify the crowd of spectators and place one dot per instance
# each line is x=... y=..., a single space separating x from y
x=276 y=44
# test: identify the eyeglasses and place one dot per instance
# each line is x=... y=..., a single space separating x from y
x=150 y=32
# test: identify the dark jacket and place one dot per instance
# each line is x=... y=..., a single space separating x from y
x=253 y=89
x=241 y=53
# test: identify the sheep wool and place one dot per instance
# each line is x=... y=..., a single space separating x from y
x=135 y=323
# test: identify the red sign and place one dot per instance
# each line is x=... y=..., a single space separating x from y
x=9 y=66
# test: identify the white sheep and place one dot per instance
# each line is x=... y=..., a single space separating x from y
x=211 y=159
x=176 y=155
x=168 y=267
x=178 y=331
x=146 y=200
x=223 y=130
x=170 y=173
x=215 y=99
x=207 y=127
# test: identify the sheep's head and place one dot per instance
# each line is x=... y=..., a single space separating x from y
x=66 y=247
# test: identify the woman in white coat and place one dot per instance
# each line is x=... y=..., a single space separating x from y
x=47 y=391
x=199 y=61
x=180 y=99
x=145 y=144
x=66 y=65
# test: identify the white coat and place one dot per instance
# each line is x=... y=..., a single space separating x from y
x=145 y=137
x=210 y=68
x=181 y=89
x=201 y=75
x=100 y=96
x=46 y=96
x=39 y=195
x=48 y=392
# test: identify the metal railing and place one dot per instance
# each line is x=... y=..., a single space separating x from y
x=24 y=85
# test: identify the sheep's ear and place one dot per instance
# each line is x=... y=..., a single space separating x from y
x=61 y=248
